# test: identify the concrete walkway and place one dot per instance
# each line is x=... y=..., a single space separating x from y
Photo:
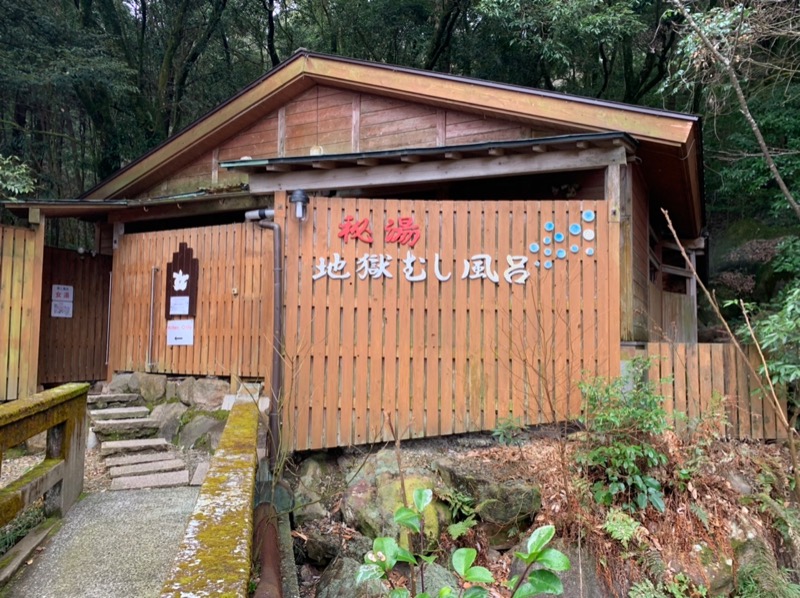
x=111 y=545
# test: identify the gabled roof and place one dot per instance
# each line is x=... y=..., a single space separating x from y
x=669 y=141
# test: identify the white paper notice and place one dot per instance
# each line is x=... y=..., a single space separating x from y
x=180 y=333
x=61 y=309
x=179 y=306
x=62 y=292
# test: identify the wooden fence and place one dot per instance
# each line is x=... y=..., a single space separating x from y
x=21 y=254
x=74 y=348
x=704 y=379
x=233 y=324
x=456 y=351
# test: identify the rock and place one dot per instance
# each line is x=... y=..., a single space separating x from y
x=37 y=443
x=171 y=391
x=582 y=569
x=168 y=416
x=184 y=390
x=437 y=577
x=506 y=502
x=308 y=492
x=321 y=548
x=208 y=393
x=375 y=493
x=200 y=432
x=152 y=387
x=97 y=387
x=339 y=580
x=121 y=383
x=738 y=483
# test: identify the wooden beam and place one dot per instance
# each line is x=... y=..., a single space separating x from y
x=187 y=208
x=278 y=167
x=497 y=151
x=324 y=165
x=410 y=159
x=466 y=169
x=368 y=162
x=539 y=149
x=453 y=155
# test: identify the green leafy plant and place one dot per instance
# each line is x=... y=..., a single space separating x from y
x=508 y=431
x=624 y=418
x=621 y=526
x=386 y=553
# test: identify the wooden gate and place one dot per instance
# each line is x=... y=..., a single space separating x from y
x=74 y=332
x=233 y=323
x=21 y=252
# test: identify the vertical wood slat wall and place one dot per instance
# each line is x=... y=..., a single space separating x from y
x=74 y=349
x=441 y=357
x=708 y=376
x=233 y=326
x=21 y=258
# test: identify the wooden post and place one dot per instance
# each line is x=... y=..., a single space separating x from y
x=626 y=255
x=613 y=194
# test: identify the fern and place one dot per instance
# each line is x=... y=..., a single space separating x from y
x=653 y=564
x=700 y=513
x=646 y=589
x=621 y=526
x=456 y=530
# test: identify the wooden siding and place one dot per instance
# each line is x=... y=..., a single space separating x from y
x=341 y=121
x=673 y=316
x=441 y=357
x=233 y=326
x=702 y=378
x=21 y=258
x=74 y=349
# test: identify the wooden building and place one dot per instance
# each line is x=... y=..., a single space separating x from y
x=470 y=251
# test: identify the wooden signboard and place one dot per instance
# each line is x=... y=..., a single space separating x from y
x=182 y=274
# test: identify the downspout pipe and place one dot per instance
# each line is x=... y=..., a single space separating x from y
x=263 y=217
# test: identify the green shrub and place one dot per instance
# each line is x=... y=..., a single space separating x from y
x=624 y=419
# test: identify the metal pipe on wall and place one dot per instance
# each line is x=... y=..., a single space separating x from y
x=149 y=363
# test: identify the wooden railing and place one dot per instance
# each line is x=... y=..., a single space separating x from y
x=61 y=412
x=214 y=557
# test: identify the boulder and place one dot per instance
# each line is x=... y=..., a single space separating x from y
x=171 y=392
x=375 y=493
x=583 y=569
x=436 y=578
x=339 y=580
x=316 y=482
x=208 y=393
x=506 y=503
x=184 y=389
x=152 y=387
x=321 y=549
x=122 y=383
x=202 y=431
x=169 y=417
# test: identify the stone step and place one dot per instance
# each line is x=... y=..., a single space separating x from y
x=200 y=473
x=168 y=479
x=138 y=458
x=114 y=400
x=119 y=413
x=146 y=468
x=121 y=426
x=115 y=447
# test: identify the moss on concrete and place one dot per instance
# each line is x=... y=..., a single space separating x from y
x=214 y=558
x=15 y=412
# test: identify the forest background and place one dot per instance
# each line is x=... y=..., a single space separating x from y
x=86 y=86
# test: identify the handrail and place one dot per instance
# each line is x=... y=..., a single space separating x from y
x=61 y=412
x=215 y=555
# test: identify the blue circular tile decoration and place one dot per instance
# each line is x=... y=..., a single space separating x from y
x=548 y=252
x=588 y=216
x=589 y=251
x=537 y=263
x=574 y=249
x=574 y=228
x=558 y=237
x=548 y=264
x=549 y=226
x=534 y=247
x=547 y=240
x=561 y=254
